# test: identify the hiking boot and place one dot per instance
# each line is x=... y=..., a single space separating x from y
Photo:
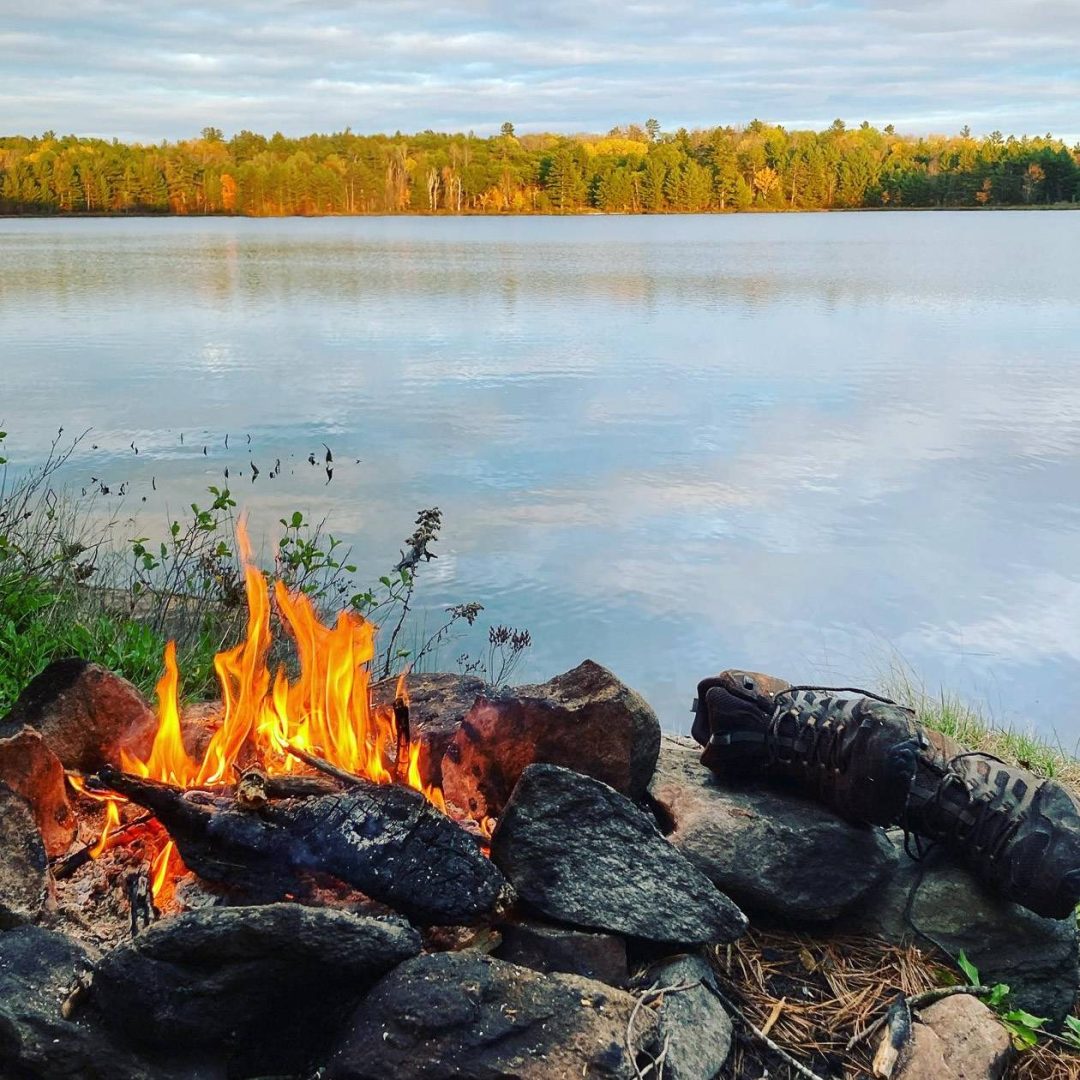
x=1017 y=833
x=852 y=751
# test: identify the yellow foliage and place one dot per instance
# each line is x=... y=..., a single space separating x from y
x=616 y=147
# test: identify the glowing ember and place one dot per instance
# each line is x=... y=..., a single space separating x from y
x=326 y=711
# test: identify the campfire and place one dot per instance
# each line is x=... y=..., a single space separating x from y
x=273 y=726
x=328 y=875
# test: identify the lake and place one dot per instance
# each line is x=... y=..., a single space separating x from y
x=815 y=445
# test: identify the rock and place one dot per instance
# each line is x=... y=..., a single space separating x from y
x=957 y=1038
x=470 y=1017
x=579 y=852
x=695 y=1023
x=584 y=719
x=769 y=851
x=543 y=947
x=438 y=703
x=24 y=873
x=1037 y=957
x=30 y=768
x=38 y=969
x=262 y=988
x=85 y=714
x=199 y=722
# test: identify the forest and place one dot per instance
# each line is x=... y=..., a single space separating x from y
x=631 y=169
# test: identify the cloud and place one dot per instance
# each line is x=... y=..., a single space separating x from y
x=151 y=70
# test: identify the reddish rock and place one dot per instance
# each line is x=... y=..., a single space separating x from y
x=32 y=770
x=23 y=869
x=85 y=714
x=438 y=703
x=585 y=719
x=198 y=723
x=957 y=1038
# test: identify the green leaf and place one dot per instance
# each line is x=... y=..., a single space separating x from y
x=998 y=994
x=969 y=969
x=1019 y=1016
x=297 y=519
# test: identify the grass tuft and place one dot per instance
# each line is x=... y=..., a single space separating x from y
x=970 y=727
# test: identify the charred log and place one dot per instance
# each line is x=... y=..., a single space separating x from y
x=384 y=840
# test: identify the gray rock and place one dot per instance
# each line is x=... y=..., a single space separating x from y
x=543 y=947
x=24 y=874
x=584 y=719
x=697 y=1028
x=579 y=852
x=38 y=969
x=261 y=988
x=438 y=703
x=1037 y=957
x=769 y=851
x=467 y=1016
x=85 y=714
x=30 y=768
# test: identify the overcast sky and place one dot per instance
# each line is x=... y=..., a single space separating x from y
x=148 y=70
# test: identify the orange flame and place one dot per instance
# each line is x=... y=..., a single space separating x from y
x=326 y=711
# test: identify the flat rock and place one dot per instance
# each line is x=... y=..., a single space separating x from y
x=697 y=1028
x=957 y=1038
x=467 y=1016
x=579 y=852
x=30 y=768
x=584 y=719
x=438 y=703
x=261 y=988
x=770 y=851
x=38 y=969
x=1037 y=957
x=24 y=873
x=85 y=714
x=544 y=947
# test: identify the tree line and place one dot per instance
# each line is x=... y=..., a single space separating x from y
x=632 y=169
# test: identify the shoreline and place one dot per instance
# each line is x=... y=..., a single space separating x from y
x=765 y=211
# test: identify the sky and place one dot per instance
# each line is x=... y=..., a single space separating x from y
x=147 y=70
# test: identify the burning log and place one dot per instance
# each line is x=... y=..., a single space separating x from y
x=385 y=840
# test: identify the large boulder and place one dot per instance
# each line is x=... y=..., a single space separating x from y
x=438 y=703
x=29 y=767
x=260 y=989
x=467 y=1016
x=85 y=714
x=38 y=971
x=24 y=872
x=957 y=1038
x=584 y=719
x=579 y=852
x=770 y=851
x=694 y=1024
x=938 y=902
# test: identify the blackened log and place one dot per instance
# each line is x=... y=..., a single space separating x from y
x=385 y=840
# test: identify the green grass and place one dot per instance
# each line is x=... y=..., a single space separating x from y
x=971 y=728
x=43 y=620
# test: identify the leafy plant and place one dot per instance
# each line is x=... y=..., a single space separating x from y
x=1021 y=1025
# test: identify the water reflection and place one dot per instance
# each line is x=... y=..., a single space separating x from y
x=798 y=443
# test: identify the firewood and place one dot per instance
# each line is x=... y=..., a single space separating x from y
x=385 y=840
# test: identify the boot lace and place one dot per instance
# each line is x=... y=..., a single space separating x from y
x=826 y=745
x=991 y=826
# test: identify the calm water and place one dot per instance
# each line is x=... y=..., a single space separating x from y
x=803 y=444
